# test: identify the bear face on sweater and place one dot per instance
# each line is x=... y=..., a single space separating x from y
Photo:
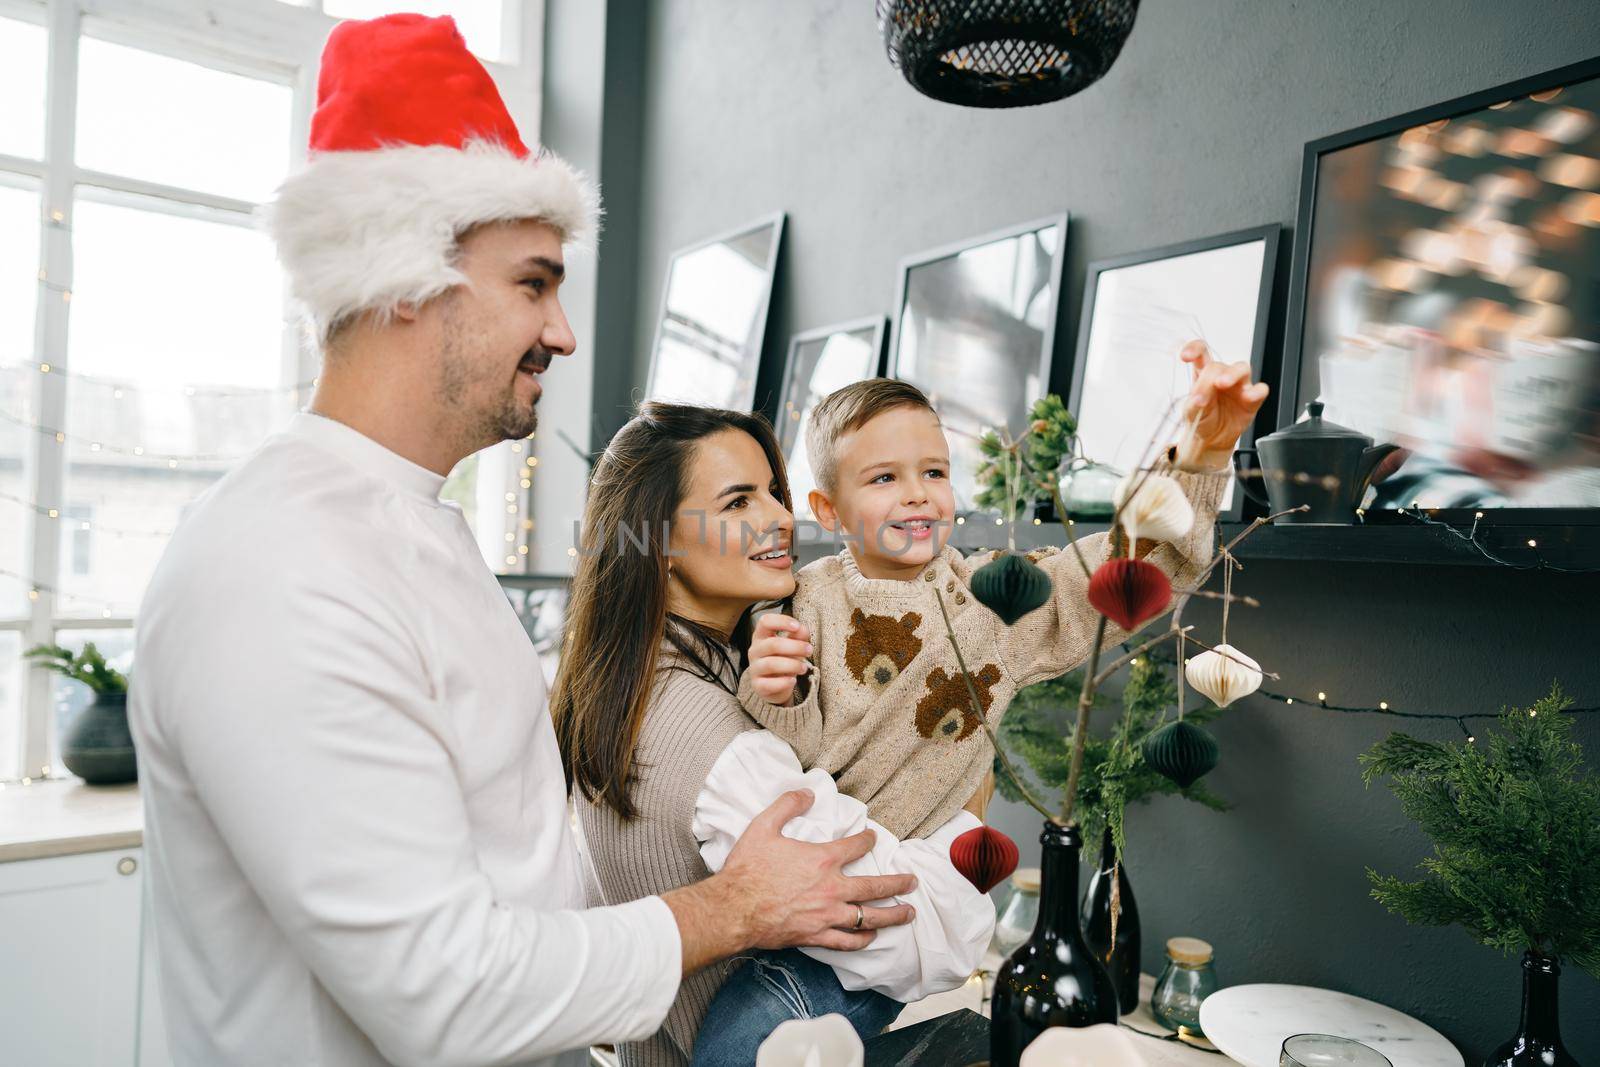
x=880 y=647
x=945 y=711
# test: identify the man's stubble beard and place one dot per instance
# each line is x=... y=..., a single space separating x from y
x=460 y=372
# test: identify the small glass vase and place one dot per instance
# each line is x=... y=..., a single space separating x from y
x=1121 y=958
x=1021 y=913
x=1054 y=979
x=1538 y=1040
x=1186 y=981
x=1088 y=490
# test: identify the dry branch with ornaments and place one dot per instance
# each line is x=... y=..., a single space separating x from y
x=1150 y=505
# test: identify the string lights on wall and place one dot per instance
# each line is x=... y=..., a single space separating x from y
x=1383 y=708
x=1470 y=537
x=1323 y=703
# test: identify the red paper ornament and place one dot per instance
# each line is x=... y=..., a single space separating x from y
x=985 y=856
x=1129 y=592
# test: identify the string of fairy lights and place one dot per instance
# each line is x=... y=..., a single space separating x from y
x=516 y=538
x=1322 y=702
x=1471 y=538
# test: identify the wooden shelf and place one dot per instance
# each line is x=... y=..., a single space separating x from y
x=1399 y=541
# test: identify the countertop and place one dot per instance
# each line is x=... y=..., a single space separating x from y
x=62 y=817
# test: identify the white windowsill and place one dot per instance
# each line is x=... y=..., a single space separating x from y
x=62 y=817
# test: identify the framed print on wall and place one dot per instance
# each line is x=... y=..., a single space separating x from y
x=974 y=328
x=1138 y=311
x=714 y=318
x=1445 y=297
x=819 y=362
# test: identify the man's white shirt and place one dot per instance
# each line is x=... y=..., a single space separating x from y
x=355 y=812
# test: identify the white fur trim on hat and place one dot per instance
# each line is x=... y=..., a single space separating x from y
x=360 y=231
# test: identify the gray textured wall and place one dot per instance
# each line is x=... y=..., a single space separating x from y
x=750 y=106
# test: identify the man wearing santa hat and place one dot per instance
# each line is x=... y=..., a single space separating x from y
x=355 y=811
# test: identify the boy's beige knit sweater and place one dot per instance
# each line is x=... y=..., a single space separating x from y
x=886 y=711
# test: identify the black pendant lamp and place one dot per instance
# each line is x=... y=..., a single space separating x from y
x=1004 y=53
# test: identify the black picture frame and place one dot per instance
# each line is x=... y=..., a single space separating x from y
x=1289 y=379
x=1269 y=236
x=743 y=397
x=1048 y=333
x=791 y=416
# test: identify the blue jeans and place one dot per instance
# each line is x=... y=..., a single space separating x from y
x=771 y=988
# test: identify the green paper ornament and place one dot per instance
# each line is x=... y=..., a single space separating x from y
x=1011 y=586
x=1181 y=752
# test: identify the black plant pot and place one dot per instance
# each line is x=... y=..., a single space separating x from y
x=1538 y=1040
x=98 y=746
x=1121 y=959
x=1054 y=979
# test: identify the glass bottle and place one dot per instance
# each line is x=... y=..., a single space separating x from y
x=1187 y=980
x=1054 y=979
x=1122 y=958
x=1021 y=913
x=1538 y=1040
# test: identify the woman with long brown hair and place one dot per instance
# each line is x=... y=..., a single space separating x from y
x=686 y=530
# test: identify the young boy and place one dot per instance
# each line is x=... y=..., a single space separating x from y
x=887 y=712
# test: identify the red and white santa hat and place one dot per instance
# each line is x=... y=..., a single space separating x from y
x=411 y=146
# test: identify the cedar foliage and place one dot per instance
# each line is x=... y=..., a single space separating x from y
x=1515 y=823
x=88 y=667
x=1114 y=774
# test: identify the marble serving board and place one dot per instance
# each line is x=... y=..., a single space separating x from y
x=1250 y=1022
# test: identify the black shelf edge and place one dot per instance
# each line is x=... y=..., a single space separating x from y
x=1554 y=547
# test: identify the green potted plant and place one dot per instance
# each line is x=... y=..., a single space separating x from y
x=98 y=746
x=1515 y=822
x=1038 y=728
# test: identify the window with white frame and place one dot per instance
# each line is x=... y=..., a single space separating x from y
x=145 y=341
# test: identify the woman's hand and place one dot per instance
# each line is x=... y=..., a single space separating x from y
x=979 y=803
x=1222 y=403
x=778 y=651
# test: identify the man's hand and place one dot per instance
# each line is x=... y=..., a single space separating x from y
x=775 y=892
x=1222 y=403
x=778 y=651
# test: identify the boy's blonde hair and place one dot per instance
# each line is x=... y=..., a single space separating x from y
x=845 y=410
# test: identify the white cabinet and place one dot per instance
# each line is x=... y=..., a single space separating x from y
x=71 y=932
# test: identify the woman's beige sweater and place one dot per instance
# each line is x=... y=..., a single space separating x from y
x=886 y=710
x=689 y=722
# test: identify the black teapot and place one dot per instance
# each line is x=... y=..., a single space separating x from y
x=1314 y=463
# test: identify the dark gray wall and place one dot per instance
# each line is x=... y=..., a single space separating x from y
x=751 y=106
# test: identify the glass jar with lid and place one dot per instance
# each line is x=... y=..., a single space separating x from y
x=1021 y=913
x=1186 y=981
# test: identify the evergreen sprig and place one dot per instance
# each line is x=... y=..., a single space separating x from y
x=1011 y=483
x=88 y=667
x=1515 y=823
x=1114 y=775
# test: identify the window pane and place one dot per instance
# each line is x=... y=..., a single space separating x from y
x=23 y=48
x=179 y=323
x=19 y=271
x=148 y=116
x=19 y=289
x=69 y=696
x=480 y=21
x=12 y=678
